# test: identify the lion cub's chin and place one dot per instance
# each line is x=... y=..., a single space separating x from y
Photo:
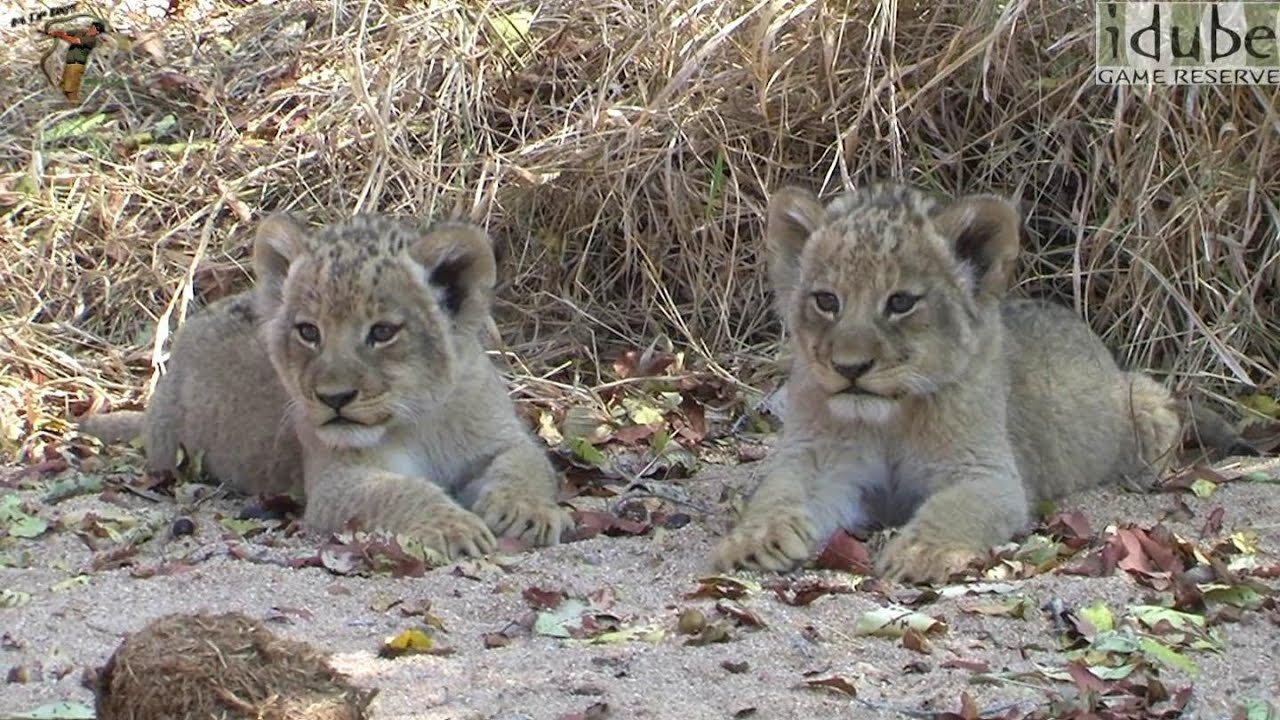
x=350 y=436
x=868 y=409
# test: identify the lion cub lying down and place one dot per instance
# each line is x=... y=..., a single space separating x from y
x=919 y=395
x=354 y=369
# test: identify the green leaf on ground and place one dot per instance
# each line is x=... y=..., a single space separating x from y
x=18 y=522
x=1168 y=656
x=10 y=598
x=1258 y=710
x=556 y=623
x=1203 y=488
x=1099 y=616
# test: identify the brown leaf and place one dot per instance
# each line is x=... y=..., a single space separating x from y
x=113 y=558
x=1084 y=679
x=803 y=591
x=835 y=682
x=915 y=640
x=718 y=587
x=1069 y=526
x=540 y=599
x=968 y=710
x=1185 y=479
x=633 y=434
x=496 y=640
x=1213 y=523
x=977 y=666
x=739 y=613
x=845 y=552
x=589 y=523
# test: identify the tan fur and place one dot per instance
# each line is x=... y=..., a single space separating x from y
x=425 y=428
x=220 y=397
x=949 y=415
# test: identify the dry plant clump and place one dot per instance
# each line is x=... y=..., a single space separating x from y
x=222 y=666
x=622 y=153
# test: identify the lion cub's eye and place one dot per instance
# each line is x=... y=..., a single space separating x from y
x=826 y=302
x=307 y=332
x=383 y=333
x=900 y=303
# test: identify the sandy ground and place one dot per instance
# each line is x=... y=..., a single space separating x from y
x=69 y=626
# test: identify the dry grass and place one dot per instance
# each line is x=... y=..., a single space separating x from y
x=622 y=153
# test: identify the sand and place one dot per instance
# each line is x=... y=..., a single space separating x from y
x=69 y=627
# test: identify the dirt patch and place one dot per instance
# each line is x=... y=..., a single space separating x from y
x=593 y=626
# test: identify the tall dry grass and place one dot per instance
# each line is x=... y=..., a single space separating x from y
x=622 y=153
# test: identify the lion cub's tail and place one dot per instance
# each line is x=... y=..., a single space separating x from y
x=115 y=427
x=1206 y=429
x=1164 y=426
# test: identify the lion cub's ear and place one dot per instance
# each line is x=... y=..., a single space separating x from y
x=983 y=232
x=278 y=243
x=460 y=264
x=794 y=214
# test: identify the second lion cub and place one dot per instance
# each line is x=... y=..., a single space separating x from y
x=920 y=396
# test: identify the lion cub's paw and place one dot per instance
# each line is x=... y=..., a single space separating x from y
x=776 y=542
x=911 y=556
x=455 y=533
x=512 y=511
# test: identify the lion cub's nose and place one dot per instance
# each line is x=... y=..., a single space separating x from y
x=338 y=400
x=853 y=372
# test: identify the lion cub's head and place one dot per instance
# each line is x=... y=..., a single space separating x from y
x=885 y=290
x=369 y=322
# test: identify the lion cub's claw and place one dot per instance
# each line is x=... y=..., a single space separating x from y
x=456 y=533
x=777 y=543
x=532 y=519
x=909 y=557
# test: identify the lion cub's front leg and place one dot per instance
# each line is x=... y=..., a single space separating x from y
x=793 y=511
x=967 y=512
x=516 y=497
x=381 y=500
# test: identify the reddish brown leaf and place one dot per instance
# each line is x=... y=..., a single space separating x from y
x=718 y=587
x=803 y=591
x=1157 y=544
x=913 y=639
x=693 y=429
x=1213 y=523
x=541 y=599
x=589 y=523
x=113 y=558
x=1135 y=558
x=845 y=552
x=977 y=666
x=1101 y=562
x=835 y=682
x=1184 y=479
x=1084 y=679
x=1266 y=572
x=740 y=614
x=496 y=640
x=968 y=710
x=1069 y=526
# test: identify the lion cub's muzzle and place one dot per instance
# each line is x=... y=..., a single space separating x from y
x=852 y=373
x=344 y=410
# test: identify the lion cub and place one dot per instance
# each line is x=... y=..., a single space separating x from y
x=357 y=356
x=919 y=395
x=220 y=396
